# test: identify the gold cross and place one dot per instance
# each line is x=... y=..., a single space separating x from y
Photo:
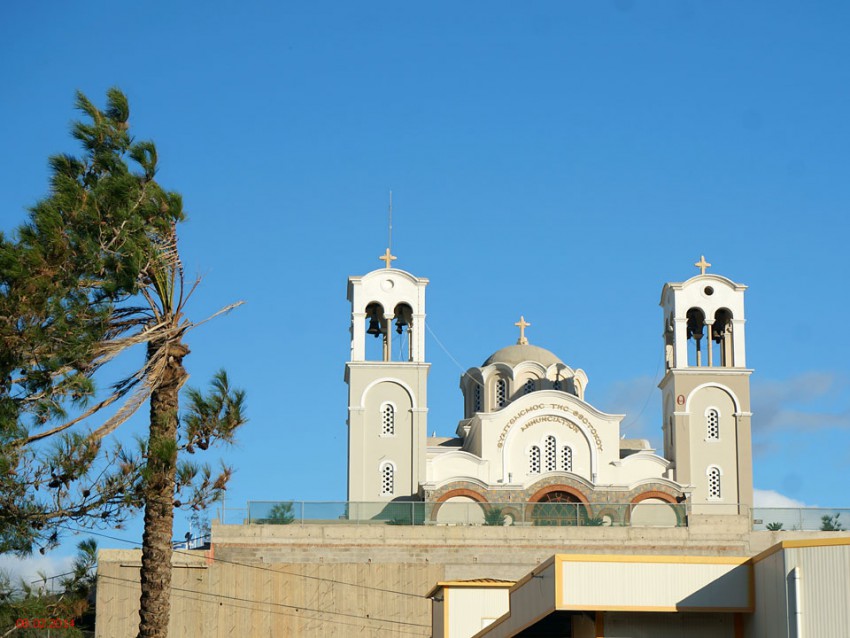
x=387 y=258
x=702 y=264
x=523 y=324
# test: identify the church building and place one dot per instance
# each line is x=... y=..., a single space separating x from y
x=527 y=434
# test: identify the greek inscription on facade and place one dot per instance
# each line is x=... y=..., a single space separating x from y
x=549 y=419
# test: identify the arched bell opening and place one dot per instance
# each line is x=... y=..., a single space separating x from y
x=377 y=334
x=696 y=333
x=721 y=338
x=669 y=333
x=403 y=321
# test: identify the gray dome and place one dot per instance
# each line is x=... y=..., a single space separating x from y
x=516 y=354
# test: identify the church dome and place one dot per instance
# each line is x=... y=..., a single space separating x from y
x=516 y=354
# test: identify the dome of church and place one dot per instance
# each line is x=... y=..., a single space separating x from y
x=516 y=354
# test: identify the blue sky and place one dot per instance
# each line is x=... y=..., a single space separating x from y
x=559 y=160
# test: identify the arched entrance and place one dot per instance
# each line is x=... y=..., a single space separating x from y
x=655 y=509
x=559 y=505
x=460 y=507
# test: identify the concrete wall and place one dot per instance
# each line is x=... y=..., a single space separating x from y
x=341 y=579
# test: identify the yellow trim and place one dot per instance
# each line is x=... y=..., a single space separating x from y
x=796 y=544
x=650 y=558
x=559 y=579
x=445 y=614
x=465 y=583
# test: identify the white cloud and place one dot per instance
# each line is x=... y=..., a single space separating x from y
x=771 y=498
x=28 y=568
x=803 y=402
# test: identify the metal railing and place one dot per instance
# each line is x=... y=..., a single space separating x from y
x=470 y=513
x=789 y=519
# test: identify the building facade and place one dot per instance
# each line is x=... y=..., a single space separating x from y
x=527 y=434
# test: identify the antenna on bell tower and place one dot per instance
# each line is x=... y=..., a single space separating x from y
x=388 y=258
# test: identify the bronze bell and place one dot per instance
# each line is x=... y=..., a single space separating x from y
x=374 y=327
x=400 y=323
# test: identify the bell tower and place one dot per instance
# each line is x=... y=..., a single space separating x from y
x=387 y=385
x=706 y=391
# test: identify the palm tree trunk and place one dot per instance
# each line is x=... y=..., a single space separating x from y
x=155 y=576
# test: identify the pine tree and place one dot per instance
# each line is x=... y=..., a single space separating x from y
x=94 y=273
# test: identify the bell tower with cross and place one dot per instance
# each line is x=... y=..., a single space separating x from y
x=387 y=385
x=706 y=391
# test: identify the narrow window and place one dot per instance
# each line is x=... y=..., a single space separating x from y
x=712 y=423
x=551 y=446
x=714 y=482
x=477 y=397
x=501 y=393
x=387 y=479
x=534 y=460
x=567 y=458
x=387 y=420
x=528 y=388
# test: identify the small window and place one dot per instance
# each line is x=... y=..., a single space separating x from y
x=534 y=460
x=477 y=397
x=501 y=393
x=387 y=419
x=567 y=458
x=712 y=424
x=387 y=479
x=528 y=388
x=714 y=482
x=551 y=446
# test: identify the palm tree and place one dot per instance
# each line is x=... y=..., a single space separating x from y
x=96 y=273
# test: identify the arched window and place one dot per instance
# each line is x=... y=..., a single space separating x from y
x=387 y=419
x=476 y=395
x=567 y=458
x=387 y=479
x=714 y=482
x=550 y=446
x=534 y=460
x=528 y=388
x=501 y=393
x=712 y=424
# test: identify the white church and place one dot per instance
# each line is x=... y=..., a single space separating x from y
x=527 y=435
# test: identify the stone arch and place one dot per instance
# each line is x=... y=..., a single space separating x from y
x=655 y=516
x=458 y=493
x=462 y=491
x=558 y=505
x=664 y=496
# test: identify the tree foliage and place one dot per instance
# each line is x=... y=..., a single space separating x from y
x=95 y=273
x=30 y=609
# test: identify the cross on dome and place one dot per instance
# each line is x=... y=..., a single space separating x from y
x=702 y=264
x=388 y=258
x=522 y=324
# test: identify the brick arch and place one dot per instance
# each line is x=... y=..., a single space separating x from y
x=582 y=510
x=461 y=491
x=664 y=496
x=678 y=509
x=558 y=487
